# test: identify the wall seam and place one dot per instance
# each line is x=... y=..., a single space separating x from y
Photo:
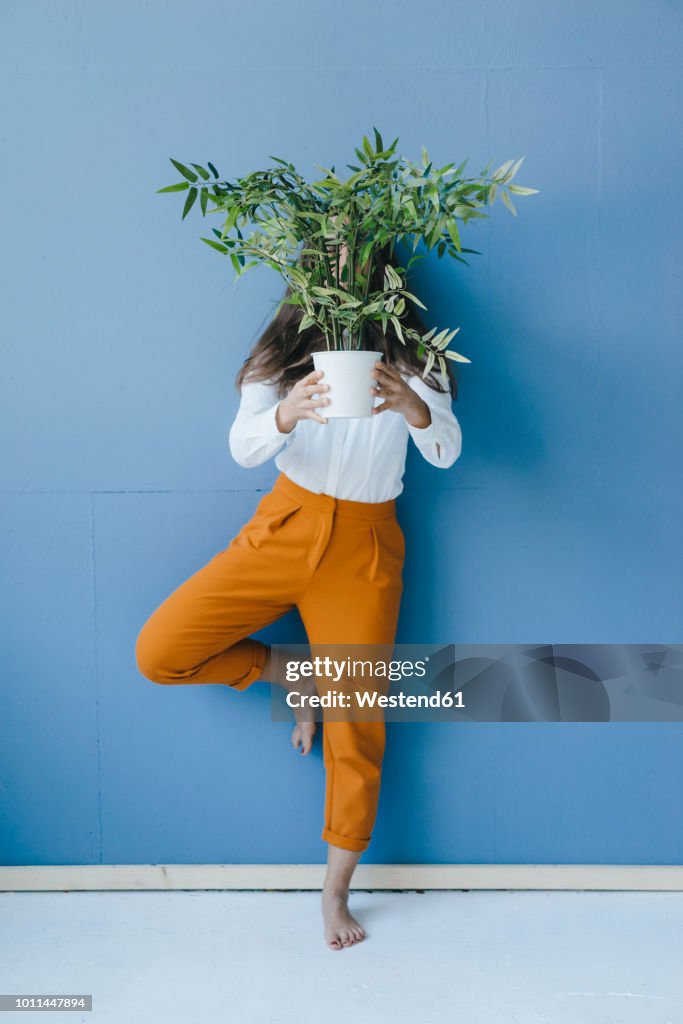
x=96 y=678
x=598 y=283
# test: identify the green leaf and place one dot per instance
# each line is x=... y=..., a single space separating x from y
x=521 y=191
x=331 y=176
x=455 y=235
x=415 y=299
x=185 y=171
x=215 y=245
x=180 y=187
x=508 y=202
x=511 y=173
x=502 y=170
x=449 y=337
x=378 y=141
x=328 y=290
x=397 y=325
x=204 y=174
x=392 y=276
x=213 y=169
x=365 y=251
x=434 y=235
x=191 y=196
x=203 y=199
x=306 y=321
x=450 y=354
x=230 y=219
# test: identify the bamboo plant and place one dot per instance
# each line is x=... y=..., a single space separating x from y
x=299 y=228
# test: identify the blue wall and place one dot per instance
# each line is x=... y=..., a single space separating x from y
x=122 y=334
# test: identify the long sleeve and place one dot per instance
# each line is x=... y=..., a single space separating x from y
x=254 y=435
x=441 y=441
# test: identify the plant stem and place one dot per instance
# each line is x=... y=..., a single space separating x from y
x=328 y=272
x=351 y=264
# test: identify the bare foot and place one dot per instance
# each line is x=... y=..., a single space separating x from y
x=302 y=735
x=341 y=929
x=304 y=730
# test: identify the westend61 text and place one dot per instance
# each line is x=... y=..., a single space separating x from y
x=363 y=699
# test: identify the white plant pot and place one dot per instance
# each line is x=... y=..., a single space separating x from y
x=348 y=375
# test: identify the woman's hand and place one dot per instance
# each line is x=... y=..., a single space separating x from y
x=298 y=404
x=399 y=396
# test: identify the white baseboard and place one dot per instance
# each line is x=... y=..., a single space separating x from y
x=99 y=877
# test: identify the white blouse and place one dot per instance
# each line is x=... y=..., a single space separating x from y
x=362 y=459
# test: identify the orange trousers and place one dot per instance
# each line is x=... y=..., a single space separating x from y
x=340 y=563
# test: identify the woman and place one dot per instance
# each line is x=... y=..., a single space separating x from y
x=325 y=540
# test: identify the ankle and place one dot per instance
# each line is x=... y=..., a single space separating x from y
x=267 y=670
x=274 y=670
x=335 y=890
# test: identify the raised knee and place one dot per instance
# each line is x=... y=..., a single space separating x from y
x=149 y=657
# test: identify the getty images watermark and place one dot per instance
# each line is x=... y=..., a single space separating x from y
x=479 y=682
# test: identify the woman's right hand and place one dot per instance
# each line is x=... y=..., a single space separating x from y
x=299 y=405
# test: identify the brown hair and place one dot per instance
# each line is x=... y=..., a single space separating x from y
x=282 y=355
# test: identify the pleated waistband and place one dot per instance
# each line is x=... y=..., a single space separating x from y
x=339 y=506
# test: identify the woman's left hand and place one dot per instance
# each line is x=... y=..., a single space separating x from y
x=399 y=396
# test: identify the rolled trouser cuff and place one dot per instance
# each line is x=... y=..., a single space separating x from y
x=256 y=669
x=345 y=842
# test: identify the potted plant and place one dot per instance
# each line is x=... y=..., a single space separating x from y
x=323 y=237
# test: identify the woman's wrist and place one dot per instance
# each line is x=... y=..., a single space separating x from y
x=419 y=416
x=284 y=423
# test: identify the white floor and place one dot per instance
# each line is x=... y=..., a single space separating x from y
x=430 y=958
